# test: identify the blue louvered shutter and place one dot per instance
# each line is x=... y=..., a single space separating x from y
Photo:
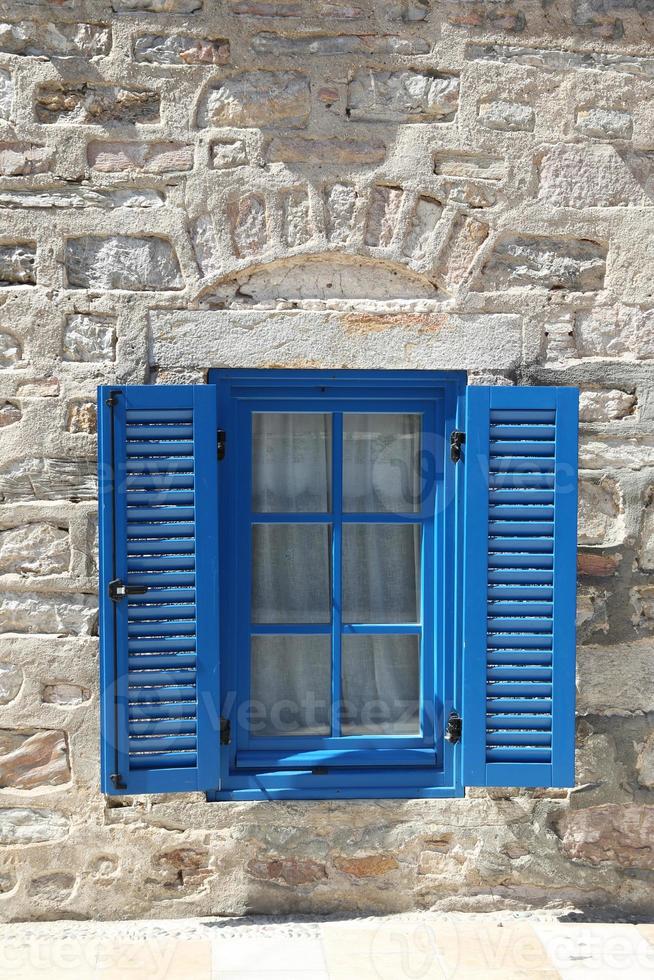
x=159 y=537
x=519 y=586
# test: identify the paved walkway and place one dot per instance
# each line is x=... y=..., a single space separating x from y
x=405 y=947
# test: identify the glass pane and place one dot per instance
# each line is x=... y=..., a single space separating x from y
x=381 y=573
x=381 y=463
x=291 y=685
x=291 y=576
x=291 y=462
x=380 y=685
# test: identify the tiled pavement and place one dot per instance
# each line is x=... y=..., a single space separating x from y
x=425 y=946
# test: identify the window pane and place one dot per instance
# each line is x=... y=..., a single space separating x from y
x=381 y=463
x=381 y=573
x=291 y=573
x=291 y=462
x=380 y=685
x=291 y=685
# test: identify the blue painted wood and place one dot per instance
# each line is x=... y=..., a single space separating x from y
x=240 y=393
x=159 y=530
x=519 y=586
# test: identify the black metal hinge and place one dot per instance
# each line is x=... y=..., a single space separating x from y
x=457 y=439
x=118 y=590
x=220 y=443
x=454 y=728
x=225 y=731
x=117 y=781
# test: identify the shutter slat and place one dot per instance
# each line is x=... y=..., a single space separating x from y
x=520 y=535
x=159 y=647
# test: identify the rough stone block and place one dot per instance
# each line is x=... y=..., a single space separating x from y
x=180 y=49
x=247 y=219
x=38 y=388
x=646 y=540
x=157 y=6
x=403 y=96
x=466 y=238
x=298 y=149
x=64 y=693
x=508 y=117
x=383 y=211
x=366 y=866
x=9 y=414
x=560 y=60
x=11 y=350
x=51 y=888
x=6 y=94
x=610 y=332
x=122 y=262
x=592 y=614
x=11 y=681
x=95 y=105
x=48 y=479
x=521 y=261
x=331 y=45
x=82 y=417
x=70 y=615
x=611 y=834
x=35 y=549
x=33 y=759
x=615 y=680
x=597 y=565
x=588 y=177
x=422 y=224
x=340 y=201
x=469 y=165
x=605 y=405
x=31 y=825
x=645 y=763
x=601 y=513
x=88 y=337
x=227 y=154
x=296 y=219
x=18 y=264
x=604 y=124
x=642 y=605
x=24 y=159
x=289 y=871
x=81 y=197
x=408 y=11
x=149 y=158
x=55 y=40
x=257 y=98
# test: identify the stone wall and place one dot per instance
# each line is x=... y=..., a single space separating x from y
x=320 y=183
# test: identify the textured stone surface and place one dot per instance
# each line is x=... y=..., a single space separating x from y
x=36 y=549
x=151 y=158
x=180 y=49
x=55 y=40
x=611 y=834
x=406 y=96
x=336 y=184
x=89 y=338
x=33 y=759
x=121 y=262
x=97 y=105
x=261 y=98
x=521 y=262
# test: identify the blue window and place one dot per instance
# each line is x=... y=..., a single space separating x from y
x=336 y=584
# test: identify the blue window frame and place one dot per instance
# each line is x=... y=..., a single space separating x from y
x=336 y=763
x=203 y=601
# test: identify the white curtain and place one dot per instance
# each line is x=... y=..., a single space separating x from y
x=291 y=566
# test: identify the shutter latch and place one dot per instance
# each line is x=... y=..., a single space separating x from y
x=225 y=731
x=221 y=442
x=118 y=590
x=454 y=728
x=457 y=439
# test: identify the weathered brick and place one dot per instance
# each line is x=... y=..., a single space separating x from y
x=257 y=98
x=151 y=158
x=93 y=104
x=122 y=262
x=180 y=49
